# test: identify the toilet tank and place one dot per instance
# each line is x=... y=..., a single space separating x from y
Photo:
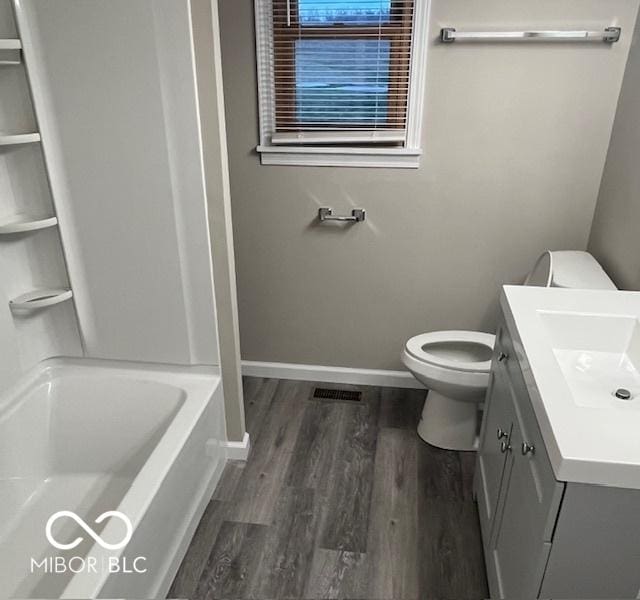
x=569 y=269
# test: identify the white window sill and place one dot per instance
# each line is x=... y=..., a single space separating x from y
x=306 y=156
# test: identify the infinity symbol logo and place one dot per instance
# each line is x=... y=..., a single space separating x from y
x=110 y=513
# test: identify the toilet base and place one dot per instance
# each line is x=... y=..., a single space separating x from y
x=449 y=424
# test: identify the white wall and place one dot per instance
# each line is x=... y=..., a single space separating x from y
x=115 y=89
x=515 y=139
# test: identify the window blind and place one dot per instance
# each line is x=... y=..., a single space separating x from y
x=334 y=71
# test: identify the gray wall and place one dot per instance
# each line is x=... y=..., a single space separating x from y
x=614 y=238
x=515 y=140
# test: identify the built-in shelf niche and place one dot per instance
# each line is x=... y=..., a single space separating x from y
x=32 y=261
x=8 y=29
x=17 y=115
x=24 y=187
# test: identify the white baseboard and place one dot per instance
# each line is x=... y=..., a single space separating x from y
x=396 y=379
x=238 y=450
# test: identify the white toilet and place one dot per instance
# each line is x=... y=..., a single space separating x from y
x=455 y=365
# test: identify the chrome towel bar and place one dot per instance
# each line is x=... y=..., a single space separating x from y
x=448 y=35
x=326 y=214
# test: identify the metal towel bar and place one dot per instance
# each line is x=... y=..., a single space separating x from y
x=326 y=214
x=610 y=35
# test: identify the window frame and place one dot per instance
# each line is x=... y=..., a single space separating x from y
x=406 y=156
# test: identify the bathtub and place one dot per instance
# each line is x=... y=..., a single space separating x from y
x=90 y=437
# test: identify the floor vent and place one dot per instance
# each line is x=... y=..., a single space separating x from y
x=328 y=394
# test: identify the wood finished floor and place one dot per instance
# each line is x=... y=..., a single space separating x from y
x=337 y=500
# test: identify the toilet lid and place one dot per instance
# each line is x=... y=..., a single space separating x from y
x=469 y=351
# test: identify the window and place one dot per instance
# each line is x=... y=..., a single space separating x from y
x=340 y=81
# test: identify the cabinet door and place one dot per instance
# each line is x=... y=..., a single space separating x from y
x=492 y=458
x=595 y=550
x=523 y=538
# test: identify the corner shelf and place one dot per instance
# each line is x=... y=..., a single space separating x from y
x=40 y=299
x=11 y=139
x=11 y=53
x=10 y=44
x=25 y=223
x=13 y=46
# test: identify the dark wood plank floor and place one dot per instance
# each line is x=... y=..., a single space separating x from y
x=339 y=499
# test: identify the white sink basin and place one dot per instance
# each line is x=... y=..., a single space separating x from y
x=599 y=356
x=577 y=348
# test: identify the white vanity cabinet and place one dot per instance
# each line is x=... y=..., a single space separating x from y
x=543 y=537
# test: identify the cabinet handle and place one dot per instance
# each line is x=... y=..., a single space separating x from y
x=527 y=449
x=502 y=434
x=502 y=356
x=505 y=447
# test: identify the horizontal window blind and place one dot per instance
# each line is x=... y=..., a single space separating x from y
x=334 y=71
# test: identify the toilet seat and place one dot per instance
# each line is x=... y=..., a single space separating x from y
x=463 y=343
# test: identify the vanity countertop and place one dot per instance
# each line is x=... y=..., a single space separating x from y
x=577 y=349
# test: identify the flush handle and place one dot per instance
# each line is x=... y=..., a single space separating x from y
x=502 y=357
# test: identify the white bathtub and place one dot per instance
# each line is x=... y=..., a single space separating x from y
x=91 y=437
